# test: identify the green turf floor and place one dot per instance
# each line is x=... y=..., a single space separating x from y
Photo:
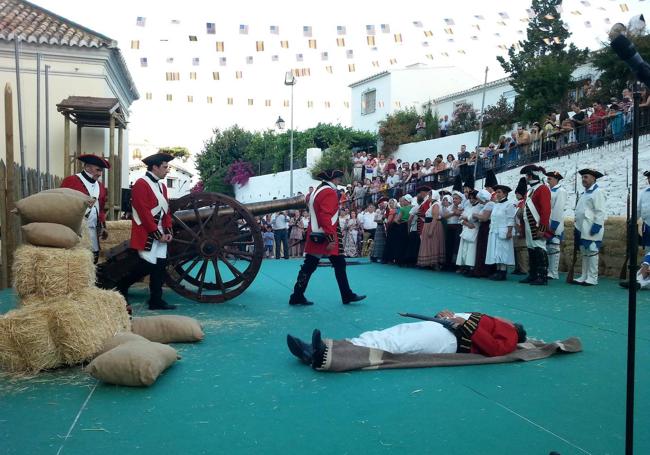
x=240 y=390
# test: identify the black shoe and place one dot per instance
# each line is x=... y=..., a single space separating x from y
x=353 y=298
x=626 y=285
x=526 y=280
x=300 y=349
x=518 y=272
x=299 y=301
x=538 y=282
x=162 y=305
x=584 y=283
x=498 y=276
x=318 y=357
x=579 y=283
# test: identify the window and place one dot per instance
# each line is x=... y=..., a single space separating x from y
x=170 y=183
x=143 y=62
x=368 y=102
x=210 y=29
x=141 y=21
x=195 y=61
x=193 y=75
x=172 y=76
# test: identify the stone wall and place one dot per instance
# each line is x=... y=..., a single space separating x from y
x=612 y=253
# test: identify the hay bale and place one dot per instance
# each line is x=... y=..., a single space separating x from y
x=82 y=322
x=26 y=344
x=51 y=272
x=85 y=242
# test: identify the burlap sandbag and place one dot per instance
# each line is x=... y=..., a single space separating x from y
x=60 y=208
x=118 y=340
x=50 y=234
x=136 y=363
x=168 y=328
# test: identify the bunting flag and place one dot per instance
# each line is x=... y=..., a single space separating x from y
x=417 y=24
x=274 y=30
x=329 y=69
x=398 y=38
x=504 y=15
x=215 y=75
x=351 y=68
x=222 y=61
x=370 y=40
x=299 y=57
x=324 y=56
x=259 y=46
x=284 y=44
x=340 y=30
x=238 y=74
x=449 y=21
x=307 y=31
x=220 y=46
x=312 y=44
x=370 y=29
x=340 y=42
x=349 y=53
x=385 y=28
x=275 y=58
x=210 y=28
x=428 y=33
x=249 y=60
x=140 y=21
x=195 y=61
x=243 y=29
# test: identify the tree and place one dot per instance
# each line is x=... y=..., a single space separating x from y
x=338 y=156
x=615 y=74
x=432 y=122
x=497 y=120
x=239 y=172
x=177 y=152
x=398 y=128
x=463 y=120
x=541 y=70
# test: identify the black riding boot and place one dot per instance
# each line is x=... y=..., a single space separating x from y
x=532 y=266
x=541 y=270
x=308 y=267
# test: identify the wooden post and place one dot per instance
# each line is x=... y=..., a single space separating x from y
x=66 y=147
x=4 y=228
x=8 y=234
x=76 y=163
x=118 y=168
x=111 y=159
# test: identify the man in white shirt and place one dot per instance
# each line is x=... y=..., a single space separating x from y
x=392 y=181
x=368 y=222
x=280 y=225
x=444 y=126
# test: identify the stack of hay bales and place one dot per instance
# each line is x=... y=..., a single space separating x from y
x=62 y=319
x=118 y=233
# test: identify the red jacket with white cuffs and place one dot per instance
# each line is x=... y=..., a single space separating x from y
x=325 y=210
x=144 y=201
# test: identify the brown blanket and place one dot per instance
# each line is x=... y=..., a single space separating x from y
x=342 y=355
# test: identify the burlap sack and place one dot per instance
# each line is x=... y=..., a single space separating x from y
x=60 y=208
x=50 y=234
x=68 y=191
x=168 y=328
x=118 y=340
x=136 y=363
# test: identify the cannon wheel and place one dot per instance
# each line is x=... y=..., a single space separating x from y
x=213 y=258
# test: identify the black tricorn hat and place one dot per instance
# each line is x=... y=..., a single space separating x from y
x=532 y=169
x=422 y=188
x=646 y=173
x=95 y=160
x=157 y=159
x=593 y=172
x=504 y=188
x=329 y=174
x=469 y=181
x=490 y=179
x=555 y=174
x=522 y=186
x=382 y=199
x=458 y=184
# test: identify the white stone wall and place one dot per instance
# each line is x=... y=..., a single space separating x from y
x=266 y=187
x=614 y=161
x=416 y=151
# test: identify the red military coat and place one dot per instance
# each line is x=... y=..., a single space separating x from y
x=494 y=337
x=74 y=182
x=143 y=201
x=326 y=205
x=541 y=199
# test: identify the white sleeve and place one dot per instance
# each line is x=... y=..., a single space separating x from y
x=599 y=208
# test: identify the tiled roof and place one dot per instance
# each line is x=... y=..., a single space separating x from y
x=33 y=24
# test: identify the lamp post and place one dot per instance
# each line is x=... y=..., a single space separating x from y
x=289 y=79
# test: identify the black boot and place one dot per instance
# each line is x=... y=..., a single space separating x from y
x=541 y=275
x=532 y=266
x=318 y=357
x=156 y=279
x=306 y=270
x=347 y=296
x=300 y=349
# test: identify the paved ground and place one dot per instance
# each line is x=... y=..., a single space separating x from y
x=240 y=391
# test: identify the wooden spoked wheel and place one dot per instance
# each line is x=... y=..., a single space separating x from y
x=217 y=248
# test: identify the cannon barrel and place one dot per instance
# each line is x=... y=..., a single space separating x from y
x=255 y=208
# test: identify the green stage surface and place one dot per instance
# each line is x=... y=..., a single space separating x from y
x=241 y=392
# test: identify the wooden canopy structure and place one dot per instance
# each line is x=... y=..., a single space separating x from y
x=91 y=112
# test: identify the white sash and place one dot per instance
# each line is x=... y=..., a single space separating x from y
x=315 y=227
x=92 y=213
x=163 y=205
x=530 y=207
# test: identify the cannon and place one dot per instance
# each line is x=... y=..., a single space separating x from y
x=216 y=252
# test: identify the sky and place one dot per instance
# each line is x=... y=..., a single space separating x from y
x=377 y=35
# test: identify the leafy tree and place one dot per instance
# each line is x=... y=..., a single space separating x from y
x=177 y=152
x=497 y=120
x=398 y=128
x=433 y=124
x=464 y=119
x=615 y=74
x=338 y=156
x=239 y=172
x=541 y=70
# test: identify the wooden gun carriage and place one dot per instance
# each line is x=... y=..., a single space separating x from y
x=216 y=251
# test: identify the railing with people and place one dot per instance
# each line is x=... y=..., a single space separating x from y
x=609 y=131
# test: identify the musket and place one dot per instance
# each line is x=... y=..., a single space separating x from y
x=576 y=245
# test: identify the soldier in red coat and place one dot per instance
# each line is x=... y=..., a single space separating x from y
x=324 y=240
x=87 y=182
x=537 y=219
x=151 y=229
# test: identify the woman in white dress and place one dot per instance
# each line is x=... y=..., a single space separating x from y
x=500 y=249
x=351 y=236
x=466 y=258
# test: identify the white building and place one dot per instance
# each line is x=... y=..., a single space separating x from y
x=178 y=181
x=376 y=96
x=80 y=62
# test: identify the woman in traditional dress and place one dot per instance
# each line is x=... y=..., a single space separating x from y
x=500 y=250
x=467 y=246
x=296 y=235
x=379 y=241
x=351 y=236
x=481 y=269
x=391 y=213
x=432 y=245
x=398 y=231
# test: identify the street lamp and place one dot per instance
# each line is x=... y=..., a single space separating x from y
x=289 y=79
x=279 y=123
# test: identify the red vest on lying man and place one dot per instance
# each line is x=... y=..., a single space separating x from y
x=150 y=206
x=483 y=334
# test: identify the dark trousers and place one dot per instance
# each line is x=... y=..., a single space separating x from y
x=156 y=274
x=309 y=267
x=281 y=237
